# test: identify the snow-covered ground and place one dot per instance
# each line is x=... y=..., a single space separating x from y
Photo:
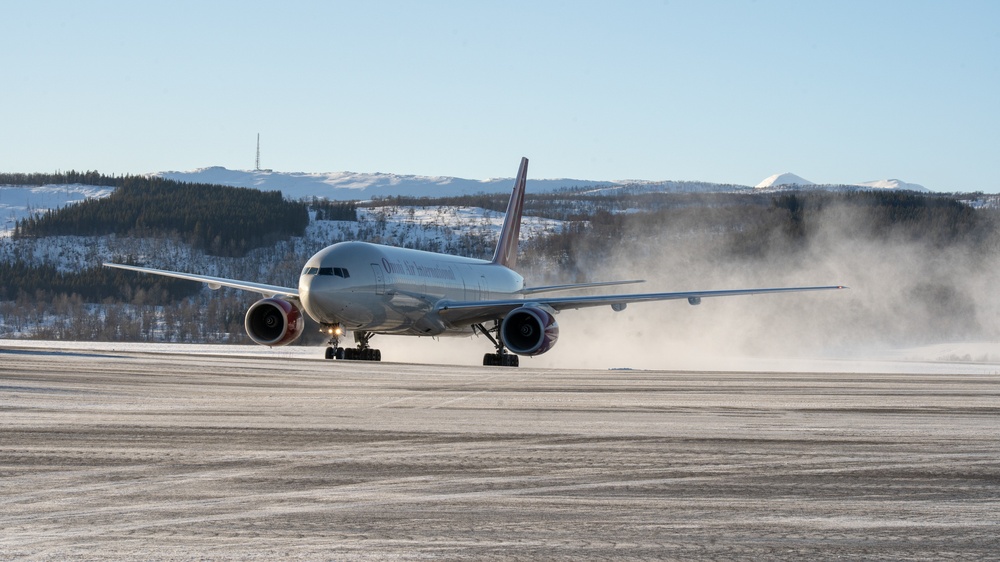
x=19 y=202
x=421 y=227
x=174 y=457
x=436 y=220
x=971 y=358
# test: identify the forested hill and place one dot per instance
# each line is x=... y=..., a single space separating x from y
x=224 y=221
x=92 y=177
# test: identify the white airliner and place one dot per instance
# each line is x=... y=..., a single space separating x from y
x=373 y=289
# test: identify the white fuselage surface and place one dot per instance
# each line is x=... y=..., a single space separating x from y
x=392 y=290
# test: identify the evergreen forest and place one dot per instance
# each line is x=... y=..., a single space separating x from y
x=222 y=220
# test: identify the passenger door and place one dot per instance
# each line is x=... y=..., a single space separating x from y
x=379 y=279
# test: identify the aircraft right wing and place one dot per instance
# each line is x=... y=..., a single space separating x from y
x=216 y=282
x=473 y=312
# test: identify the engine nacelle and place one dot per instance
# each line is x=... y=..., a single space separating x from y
x=273 y=322
x=529 y=331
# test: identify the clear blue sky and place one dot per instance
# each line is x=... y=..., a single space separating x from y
x=838 y=91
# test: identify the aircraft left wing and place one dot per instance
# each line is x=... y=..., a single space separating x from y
x=473 y=312
x=216 y=282
x=575 y=286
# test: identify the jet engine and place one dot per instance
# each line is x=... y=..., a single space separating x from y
x=529 y=331
x=273 y=322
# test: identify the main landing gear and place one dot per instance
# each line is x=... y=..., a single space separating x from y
x=363 y=352
x=502 y=358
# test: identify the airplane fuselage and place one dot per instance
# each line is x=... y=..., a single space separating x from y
x=390 y=290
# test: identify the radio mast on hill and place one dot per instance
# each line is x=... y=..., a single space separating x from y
x=257 y=165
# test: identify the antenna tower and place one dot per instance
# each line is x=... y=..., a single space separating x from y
x=257 y=165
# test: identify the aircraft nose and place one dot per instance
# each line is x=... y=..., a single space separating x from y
x=308 y=290
x=315 y=293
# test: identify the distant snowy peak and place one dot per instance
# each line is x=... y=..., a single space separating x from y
x=787 y=178
x=893 y=184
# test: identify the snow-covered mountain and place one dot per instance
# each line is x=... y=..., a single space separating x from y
x=786 y=178
x=789 y=180
x=361 y=186
x=354 y=185
x=893 y=184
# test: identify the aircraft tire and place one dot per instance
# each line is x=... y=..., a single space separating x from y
x=329 y=353
x=501 y=360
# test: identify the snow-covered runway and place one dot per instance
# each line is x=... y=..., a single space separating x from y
x=109 y=451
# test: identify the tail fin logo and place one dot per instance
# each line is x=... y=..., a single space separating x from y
x=510 y=232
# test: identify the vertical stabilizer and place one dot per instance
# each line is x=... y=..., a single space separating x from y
x=506 y=252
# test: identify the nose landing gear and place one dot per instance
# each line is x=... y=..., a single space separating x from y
x=334 y=351
x=363 y=352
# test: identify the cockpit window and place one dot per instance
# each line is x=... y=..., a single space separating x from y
x=338 y=271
